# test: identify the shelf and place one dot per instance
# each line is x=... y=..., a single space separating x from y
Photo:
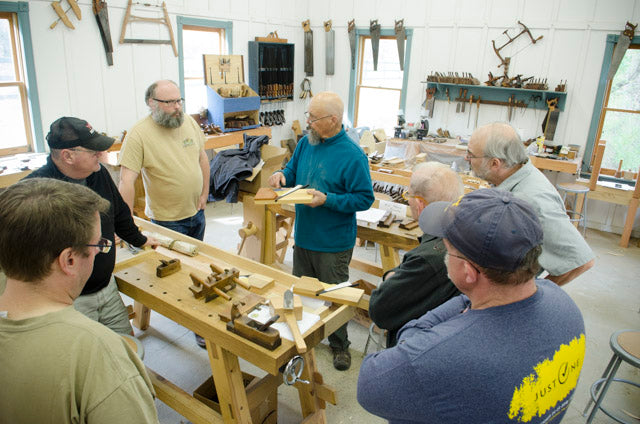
x=521 y=97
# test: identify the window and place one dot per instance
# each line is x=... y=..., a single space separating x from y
x=15 y=125
x=616 y=114
x=376 y=97
x=197 y=37
x=621 y=115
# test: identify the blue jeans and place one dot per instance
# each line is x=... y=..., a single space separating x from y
x=192 y=227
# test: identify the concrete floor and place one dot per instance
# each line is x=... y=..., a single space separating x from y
x=608 y=296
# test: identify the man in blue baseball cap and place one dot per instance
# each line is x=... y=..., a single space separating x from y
x=495 y=353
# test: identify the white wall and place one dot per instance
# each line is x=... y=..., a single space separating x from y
x=74 y=79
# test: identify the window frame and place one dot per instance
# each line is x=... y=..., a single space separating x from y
x=25 y=69
x=205 y=24
x=601 y=106
x=356 y=74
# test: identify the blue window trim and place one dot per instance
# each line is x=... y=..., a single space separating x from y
x=183 y=20
x=612 y=39
x=352 y=78
x=21 y=9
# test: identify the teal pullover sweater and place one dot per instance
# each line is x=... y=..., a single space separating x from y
x=339 y=168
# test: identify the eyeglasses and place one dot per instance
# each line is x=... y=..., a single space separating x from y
x=308 y=116
x=441 y=248
x=91 y=152
x=170 y=102
x=104 y=245
x=469 y=156
x=406 y=196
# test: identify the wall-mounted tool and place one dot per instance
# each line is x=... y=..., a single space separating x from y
x=62 y=14
x=431 y=101
x=624 y=41
x=550 y=121
x=400 y=37
x=330 y=47
x=351 y=30
x=504 y=62
x=305 y=86
x=164 y=20
x=167 y=267
x=102 y=18
x=308 y=48
x=374 y=31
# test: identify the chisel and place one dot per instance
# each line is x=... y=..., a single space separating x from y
x=337 y=287
x=296 y=188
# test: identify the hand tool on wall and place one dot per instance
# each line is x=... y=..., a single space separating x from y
x=62 y=14
x=550 y=121
x=400 y=37
x=477 y=112
x=128 y=17
x=447 y=93
x=290 y=318
x=510 y=107
x=464 y=100
x=431 y=100
x=102 y=18
x=374 y=31
x=308 y=48
x=624 y=41
x=504 y=62
x=330 y=46
x=351 y=30
x=459 y=101
x=470 y=104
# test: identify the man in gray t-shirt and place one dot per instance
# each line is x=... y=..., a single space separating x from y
x=495 y=353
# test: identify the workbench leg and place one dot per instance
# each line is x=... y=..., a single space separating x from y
x=628 y=223
x=227 y=378
x=142 y=316
x=269 y=239
x=312 y=406
x=389 y=257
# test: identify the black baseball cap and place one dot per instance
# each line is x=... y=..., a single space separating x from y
x=68 y=132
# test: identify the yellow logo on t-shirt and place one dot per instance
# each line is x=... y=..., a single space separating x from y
x=552 y=381
x=187 y=142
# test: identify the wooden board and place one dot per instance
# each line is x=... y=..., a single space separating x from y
x=297 y=197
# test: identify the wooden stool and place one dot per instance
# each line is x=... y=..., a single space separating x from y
x=577 y=214
x=626 y=347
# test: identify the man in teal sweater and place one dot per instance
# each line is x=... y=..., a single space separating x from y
x=337 y=172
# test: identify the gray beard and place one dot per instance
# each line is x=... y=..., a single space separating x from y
x=165 y=120
x=314 y=138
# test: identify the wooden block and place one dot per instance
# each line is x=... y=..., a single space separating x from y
x=290 y=318
x=408 y=224
x=308 y=286
x=386 y=220
x=167 y=267
x=266 y=193
x=259 y=283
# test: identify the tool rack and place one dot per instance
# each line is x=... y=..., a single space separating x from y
x=271 y=67
x=520 y=97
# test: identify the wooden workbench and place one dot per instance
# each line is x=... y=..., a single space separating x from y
x=178 y=304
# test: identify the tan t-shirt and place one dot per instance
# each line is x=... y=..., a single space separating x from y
x=63 y=367
x=169 y=160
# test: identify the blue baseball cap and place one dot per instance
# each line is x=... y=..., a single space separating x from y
x=490 y=227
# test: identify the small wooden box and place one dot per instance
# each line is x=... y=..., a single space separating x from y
x=224 y=75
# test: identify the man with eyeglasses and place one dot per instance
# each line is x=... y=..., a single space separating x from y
x=496 y=154
x=337 y=170
x=420 y=283
x=57 y=365
x=167 y=148
x=508 y=350
x=75 y=157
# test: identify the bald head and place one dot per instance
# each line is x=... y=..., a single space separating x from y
x=162 y=85
x=325 y=115
x=436 y=182
x=329 y=103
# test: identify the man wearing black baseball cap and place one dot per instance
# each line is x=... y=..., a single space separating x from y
x=495 y=353
x=75 y=157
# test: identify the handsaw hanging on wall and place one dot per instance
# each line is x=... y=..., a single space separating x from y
x=308 y=48
x=624 y=41
x=400 y=37
x=351 y=29
x=330 y=45
x=374 y=29
x=102 y=18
